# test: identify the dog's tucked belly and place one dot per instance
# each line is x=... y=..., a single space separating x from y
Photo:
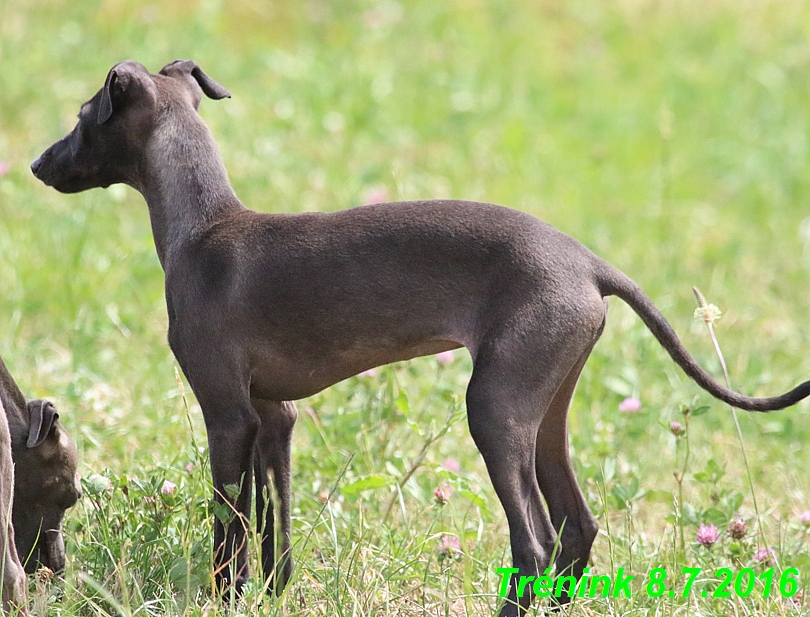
x=291 y=379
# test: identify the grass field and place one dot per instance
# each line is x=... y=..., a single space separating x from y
x=671 y=137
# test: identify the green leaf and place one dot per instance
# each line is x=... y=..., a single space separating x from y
x=96 y=485
x=659 y=496
x=689 y=514
x=715 y=517
x=182 y=576
x=363 y=484
x=618 y=385
x=476 y=499
x=609 y=469
x=712 y=474
x=232 y=491
x=699 y=411
x=224 y=512
x=713 y=467
x=734 y=501
x=625 y=493
x=401 y=402
x=735 y=548
x=773 y=428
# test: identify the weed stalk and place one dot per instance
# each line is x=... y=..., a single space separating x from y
x=708 y=313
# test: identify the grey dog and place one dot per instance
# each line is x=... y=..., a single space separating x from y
x=266 y=309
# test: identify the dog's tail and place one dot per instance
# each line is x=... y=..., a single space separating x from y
x=613 y=282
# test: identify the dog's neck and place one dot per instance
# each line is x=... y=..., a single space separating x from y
x=185 y=185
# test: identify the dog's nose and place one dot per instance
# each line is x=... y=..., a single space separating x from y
x=35 y=165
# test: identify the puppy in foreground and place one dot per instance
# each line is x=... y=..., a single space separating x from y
x=265 y=309
x=46 y=482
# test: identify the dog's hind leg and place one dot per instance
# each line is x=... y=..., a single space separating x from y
x=521 y=373
x=272 y=457
x=575 y=525
x=505 y=405
x=265 y=511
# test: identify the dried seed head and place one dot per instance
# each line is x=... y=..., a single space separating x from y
x=737 y=529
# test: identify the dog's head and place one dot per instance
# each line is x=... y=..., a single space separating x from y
x=46 y=484
x=108 y=143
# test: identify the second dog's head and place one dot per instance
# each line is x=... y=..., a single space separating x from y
x=46 y=484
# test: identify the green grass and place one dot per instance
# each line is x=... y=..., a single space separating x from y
x=670 y=137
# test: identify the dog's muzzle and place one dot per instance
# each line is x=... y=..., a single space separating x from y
x=36 y=165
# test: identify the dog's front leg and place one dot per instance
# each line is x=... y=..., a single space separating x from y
x=231 y=451
x=273 y=453
x=232 y=426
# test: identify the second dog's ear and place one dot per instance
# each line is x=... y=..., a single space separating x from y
x=42 y=416
x=189 y=68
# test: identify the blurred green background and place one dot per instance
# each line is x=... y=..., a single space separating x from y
x=670 y=137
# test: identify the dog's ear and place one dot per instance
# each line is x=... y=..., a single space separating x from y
x=42 y=417
x=189 y=68
x=118 y=86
